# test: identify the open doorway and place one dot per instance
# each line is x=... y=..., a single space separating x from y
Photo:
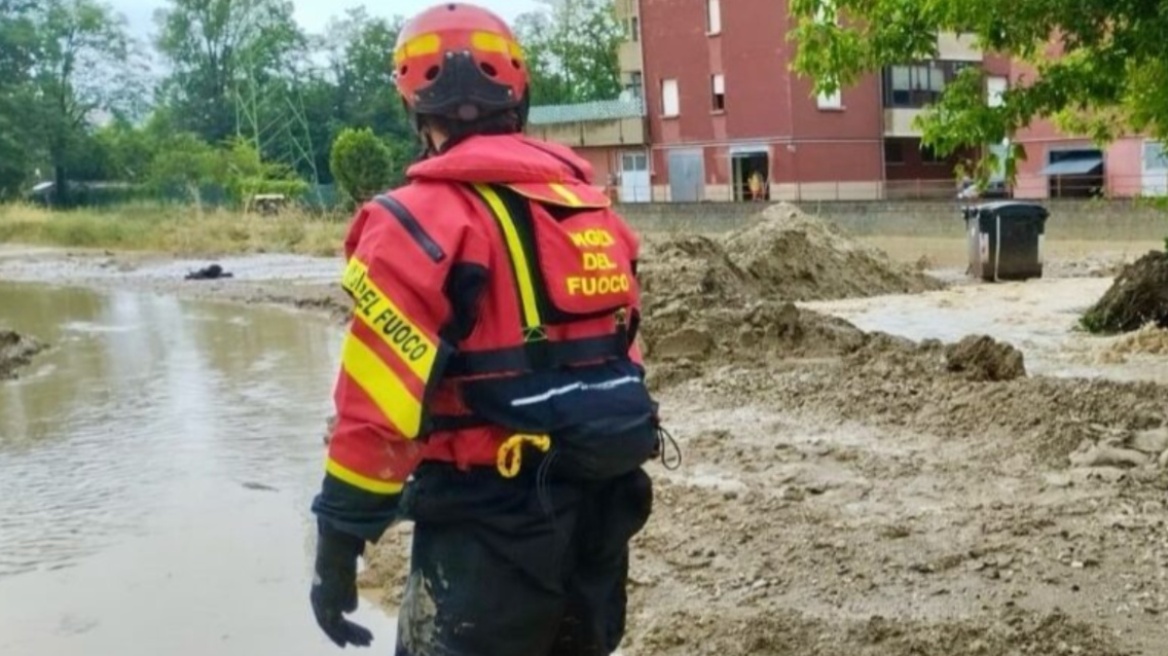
x=751 y=175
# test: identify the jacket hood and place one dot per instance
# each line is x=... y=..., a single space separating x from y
x=504 y=159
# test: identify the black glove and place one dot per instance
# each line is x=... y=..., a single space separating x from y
x=334 y=587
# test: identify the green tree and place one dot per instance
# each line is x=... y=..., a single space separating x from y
x=359 y=50
x=222 y=54
x=186 y=162
x=81 y=70
x=1101 y=65
x=17 y=52
x=126 y=150
x=571 y=48
x=362 y=164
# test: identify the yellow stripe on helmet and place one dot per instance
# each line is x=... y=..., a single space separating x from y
x=492 y=42
x=419 y=46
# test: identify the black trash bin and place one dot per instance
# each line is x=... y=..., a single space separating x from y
x=1005 y=240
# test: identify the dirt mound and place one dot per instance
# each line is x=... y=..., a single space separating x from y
x=796 y=257
x=1138 y=297
x=757 y=331
x=982 y=359
x=16 y=351
x=693 y=270
x=889 y=384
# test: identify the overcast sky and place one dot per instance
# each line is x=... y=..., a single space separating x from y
x=314 y=14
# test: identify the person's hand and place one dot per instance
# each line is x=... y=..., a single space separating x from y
x=334 y=587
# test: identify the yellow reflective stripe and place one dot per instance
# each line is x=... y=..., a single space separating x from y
x=419 y=46
x=382 y=385
x=566 y=194
x=337 y=470
x=518 y=257
x=490 y=42
x=409 y=342
x=493 y=42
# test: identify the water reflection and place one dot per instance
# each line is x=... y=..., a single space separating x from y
x=156 y=468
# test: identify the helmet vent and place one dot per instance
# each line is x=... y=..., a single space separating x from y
x=432 y=73
x=515 y=64
x=491 y=71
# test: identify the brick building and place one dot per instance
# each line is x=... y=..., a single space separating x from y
x=723 y=106
x=1060 y=165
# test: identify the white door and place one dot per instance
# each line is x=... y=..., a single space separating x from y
x=1155 y=166
x=635 y=184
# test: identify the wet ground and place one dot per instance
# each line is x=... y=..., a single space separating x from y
x=826 y=506
x=156 y=469
x=1038 y=316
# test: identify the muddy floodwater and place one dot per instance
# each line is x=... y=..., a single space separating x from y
x=1038 y=316
x=156 y=470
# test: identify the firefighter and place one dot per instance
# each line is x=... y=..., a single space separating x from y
x=490 y=390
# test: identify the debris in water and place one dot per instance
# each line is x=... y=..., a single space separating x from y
x=16 y=352
x=212 y=272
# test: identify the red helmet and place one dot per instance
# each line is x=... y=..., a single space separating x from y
x=460 y=61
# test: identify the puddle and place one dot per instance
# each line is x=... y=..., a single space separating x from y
x=155 y=476
x=1039 y=317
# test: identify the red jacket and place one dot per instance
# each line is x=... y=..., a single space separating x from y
x=496 y=253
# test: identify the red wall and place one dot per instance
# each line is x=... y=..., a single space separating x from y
x=765 y=102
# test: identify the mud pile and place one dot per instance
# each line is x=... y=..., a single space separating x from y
x=16 y=351
x=693 y=270
x=893 y=384
x=796 y=257
x=979 y=358
x=715 y=301
x=1138 y=297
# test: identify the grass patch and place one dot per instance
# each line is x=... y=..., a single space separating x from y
x=174 y=229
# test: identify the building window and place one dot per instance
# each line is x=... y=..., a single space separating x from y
x=670 y=99
x=635 y=29
x=636 y=84
x=893 y=152
x=713 y=16
x=914 y=86
x=995 y=88
x=718 y=84
x=830 y=100
x=1155 y=156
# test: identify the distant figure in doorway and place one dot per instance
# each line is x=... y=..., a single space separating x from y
x=756 y=184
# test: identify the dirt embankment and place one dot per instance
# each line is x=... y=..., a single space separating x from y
x=1139 y=297
x=17 y=352
x=711 y=301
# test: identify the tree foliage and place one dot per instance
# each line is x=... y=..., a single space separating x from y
x=362 y=164
x=63 y=63
x=219 y=51
x=571 y=48
x=241 y=99
x=1100 y=66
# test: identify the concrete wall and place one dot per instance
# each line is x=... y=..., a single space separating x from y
x=1092 y=220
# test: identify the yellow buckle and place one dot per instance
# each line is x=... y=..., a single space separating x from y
x=510 y=455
